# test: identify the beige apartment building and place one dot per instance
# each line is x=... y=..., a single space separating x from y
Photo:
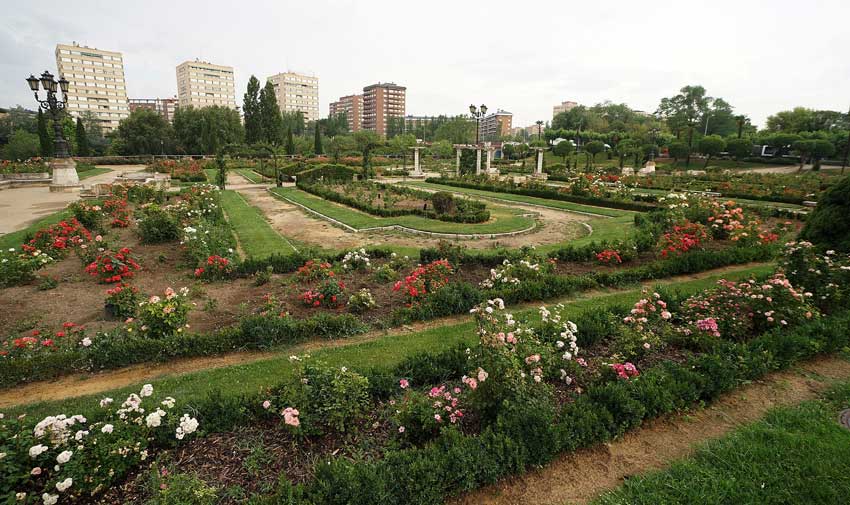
x=563 y=107
x=352 y=107
x=95 y=83
x=297 y=93
x=203 y=84
x=382 y=101
x=495 y=125
x=165 y=107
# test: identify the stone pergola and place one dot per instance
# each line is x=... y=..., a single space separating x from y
x=459 y=148
x=417 y=168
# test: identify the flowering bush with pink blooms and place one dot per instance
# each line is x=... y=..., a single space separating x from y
x=419 y=416
x=624 y=371
x=68 y=458
x=740 y=310
x=825 y=274
x=163 y=316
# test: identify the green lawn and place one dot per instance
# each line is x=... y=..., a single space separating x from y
x=384 y=351
x=16 y=238
x=503 y=219
x=252 y=176
x=94 y=171
x=795 y=455
x=256 y=236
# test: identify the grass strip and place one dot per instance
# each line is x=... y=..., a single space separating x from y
x=94 y=171
x=256 y=236
x=794 y=455
x=252 y=176
x=384 y=351
x=503 y=219
x=16 y=238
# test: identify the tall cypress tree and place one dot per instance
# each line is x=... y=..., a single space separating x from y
x=290 y=142
x=251 y=109
x=82 y=139
x=271 y=122
x=43 y=136
x=317 y=140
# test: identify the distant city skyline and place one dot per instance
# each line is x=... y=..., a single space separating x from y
x=747 y=52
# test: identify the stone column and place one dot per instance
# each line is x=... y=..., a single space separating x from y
x=417 y=169
x=489 y=155
x=477 y=160
x=539 y=169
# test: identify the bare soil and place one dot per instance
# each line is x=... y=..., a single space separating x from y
x=581 y=476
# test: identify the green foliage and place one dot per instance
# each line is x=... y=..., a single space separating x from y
x=828 y=226
x=678 y=150
x=443 y=202
x=739 y=148
x=711 y=145
x=144 y=131
x=206 y=130
x=251 y=110
x=22 y=145
x=82 y=139
x=157 y=225
x=44 y=138
x=169 y=487
x=270 y=119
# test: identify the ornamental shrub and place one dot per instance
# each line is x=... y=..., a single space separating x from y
x=156 y=225
x=828 y=226
x=122 y=301
x=443 y=202
x=162 y=317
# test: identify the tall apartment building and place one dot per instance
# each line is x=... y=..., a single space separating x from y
x=352 y=107
x=202 y=84
x=382 y=101
x=95 y=83
x=165 y=107
x=495 y=125
x=563 y=107
x=297 y=93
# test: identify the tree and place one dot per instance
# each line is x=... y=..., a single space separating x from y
x=340 y=145
x=828 y=226
x=221 y=171
x=366 y=141
x=22 y=145
x=206 y=130
x=401 y=144
x=508 y=151
x=294 y=121
x=710 y=146
x=290 y=143
x=444 y=149
x=677 y=150
x=82 y=139
x=563 y=149
x=44 y=138
x=685 y=111
x=593 y=148
x=819 y=150
x=271 y=123
x=317 y=138
x=17 y=118
x=458 y=130
x=624 y=149
x=251 y=111
x=782 y=141
x=143 y=132
x=739 y=148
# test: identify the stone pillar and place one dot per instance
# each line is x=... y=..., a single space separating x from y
x=477 y=160
x=489 y=155
x=457 y=163
x=539 y=169
x=65 y=176
x=417 y=169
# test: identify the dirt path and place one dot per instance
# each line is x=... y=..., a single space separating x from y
x=292 y=222
x=71 y=386
x=581 y=476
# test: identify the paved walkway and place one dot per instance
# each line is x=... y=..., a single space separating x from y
x=20 y=207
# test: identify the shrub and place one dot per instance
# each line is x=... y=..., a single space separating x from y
x=112 y=267
x=420 y=416
x=827 y=226
x=169 y=487
x=362 y=301
x=424 y=280
x=215 y=267
x=443 y=202
x=89 y=215
x=314 y=270
x=156 y=225
x=328 y=294
x=122 y=301
x=19 y=267
x=162 y=317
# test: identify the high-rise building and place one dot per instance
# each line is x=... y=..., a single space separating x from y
x=202 y=84
x=352 y=107
x=495 y=125
x=381 y=102
x=95 y=83
x=563 y=107
x=165 y=107
x=297 y=93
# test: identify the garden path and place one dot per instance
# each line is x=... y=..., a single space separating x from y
x=582 y=476
x=20 y=207
x=72 y=386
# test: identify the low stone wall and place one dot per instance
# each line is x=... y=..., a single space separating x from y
x=10 y=181
x=27 y=176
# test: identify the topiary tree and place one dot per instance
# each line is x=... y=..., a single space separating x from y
x=711 y=146
x=593 y=148
x=828 y=226
x=739 y=148
x=677 y=151
x=563 y=149
x=443 y=202
x=820 y=149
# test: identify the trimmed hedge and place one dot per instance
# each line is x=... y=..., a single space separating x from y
x=547 y=194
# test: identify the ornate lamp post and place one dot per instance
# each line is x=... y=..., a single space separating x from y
x=539 y=128
x=64 y=169
x=478 y=113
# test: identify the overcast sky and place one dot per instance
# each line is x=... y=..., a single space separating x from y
x=524 y=57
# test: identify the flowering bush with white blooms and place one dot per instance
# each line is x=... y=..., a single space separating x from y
x=17 y=267
x=826 y=275
x=511 y=356
x=68 y=458
x=161 y=317
x=356 y=260
x=510 y=273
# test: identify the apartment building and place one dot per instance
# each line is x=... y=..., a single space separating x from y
x=563 y=107
x=352 y=107
x=203 y=84
x=95 y=83
x=297 y=93
x=382 y=101
x=495 y=125
x=165 y=107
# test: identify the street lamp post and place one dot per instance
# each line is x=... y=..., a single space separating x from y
x=65 y=176
x=478 y=113
x=539 y=128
